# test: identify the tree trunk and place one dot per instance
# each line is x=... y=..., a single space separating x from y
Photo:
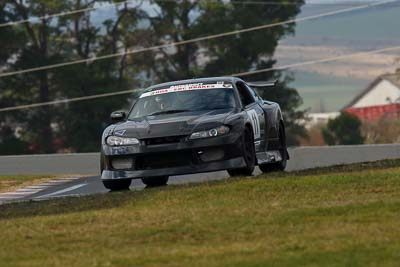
x=46 y=135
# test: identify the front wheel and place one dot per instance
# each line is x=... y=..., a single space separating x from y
x=155 y=181
x=249 y=155
x=117 y=185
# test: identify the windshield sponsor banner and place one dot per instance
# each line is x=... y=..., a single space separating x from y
x=188 y=87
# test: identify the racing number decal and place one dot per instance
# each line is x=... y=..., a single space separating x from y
x=255 y=123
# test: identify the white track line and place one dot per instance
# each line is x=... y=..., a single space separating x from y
x=8 y=197
x=14 y=194
x=27 y=190
x=33 y=189
x=52 y=183
x=74 y=187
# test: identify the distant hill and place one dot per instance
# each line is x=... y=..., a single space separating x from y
x=362 y=30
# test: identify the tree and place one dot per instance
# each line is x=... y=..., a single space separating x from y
x=81 y=124
x=77 y=126
x=35 y=47
x=343 y=130
x=182 y=20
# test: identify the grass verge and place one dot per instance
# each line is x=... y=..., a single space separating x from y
x=341 y=216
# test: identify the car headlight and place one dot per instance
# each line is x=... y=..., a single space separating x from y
x=121 y=141
x=222 y=130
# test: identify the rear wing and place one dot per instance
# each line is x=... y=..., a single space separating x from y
x=262 y=84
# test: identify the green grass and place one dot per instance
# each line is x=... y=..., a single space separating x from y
x=10 y=182
x=341 y=216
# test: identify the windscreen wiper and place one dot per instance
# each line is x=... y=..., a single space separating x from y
x=171 y=111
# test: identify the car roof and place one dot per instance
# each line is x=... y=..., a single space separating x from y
x=190 y=81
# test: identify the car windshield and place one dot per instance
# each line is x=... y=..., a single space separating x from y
x=184 y=98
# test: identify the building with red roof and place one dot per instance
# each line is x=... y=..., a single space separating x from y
x=381 y=99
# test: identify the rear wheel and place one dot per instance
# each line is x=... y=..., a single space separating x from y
x=117 y=185
x=281 y=165
x=155 y=181
x=249 y=155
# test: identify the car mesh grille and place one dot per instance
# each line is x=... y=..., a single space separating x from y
x=164 y=160
x=163 y=140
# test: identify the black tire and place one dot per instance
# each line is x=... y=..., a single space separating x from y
x=281 y=165
x=117 y=185
x=249 y=154
x=155 y=181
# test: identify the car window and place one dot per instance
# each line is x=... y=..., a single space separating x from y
x=246 y=97
x=185 y=98
x=253 y=92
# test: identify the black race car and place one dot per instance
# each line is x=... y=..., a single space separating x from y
x=193 y=126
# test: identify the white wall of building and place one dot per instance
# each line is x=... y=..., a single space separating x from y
x=382 y=94
x=313 y=119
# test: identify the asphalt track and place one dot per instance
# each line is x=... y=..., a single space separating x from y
x=87 y=164
x=93 y=185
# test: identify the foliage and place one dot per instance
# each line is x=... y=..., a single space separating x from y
x=77 y=126
x=50 y=41
x=10 y=144
x=343 y=130
x=314 y=136
x=382 y=131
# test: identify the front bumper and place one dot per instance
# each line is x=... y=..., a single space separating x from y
x=183 y=157
x=205 y=167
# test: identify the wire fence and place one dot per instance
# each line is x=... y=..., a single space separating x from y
x=118 y=4
x=189 y=41
x=194 y=40
x=241 y=74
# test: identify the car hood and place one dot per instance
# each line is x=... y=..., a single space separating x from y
x=171 y=124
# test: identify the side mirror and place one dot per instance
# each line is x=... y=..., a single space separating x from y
x=117 y=116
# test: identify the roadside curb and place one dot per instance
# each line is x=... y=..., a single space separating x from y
x=24 y=192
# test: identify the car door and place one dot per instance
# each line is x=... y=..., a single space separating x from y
x=250 y=103
x=271 y=123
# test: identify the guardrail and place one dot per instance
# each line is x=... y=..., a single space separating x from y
x=301 y=158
